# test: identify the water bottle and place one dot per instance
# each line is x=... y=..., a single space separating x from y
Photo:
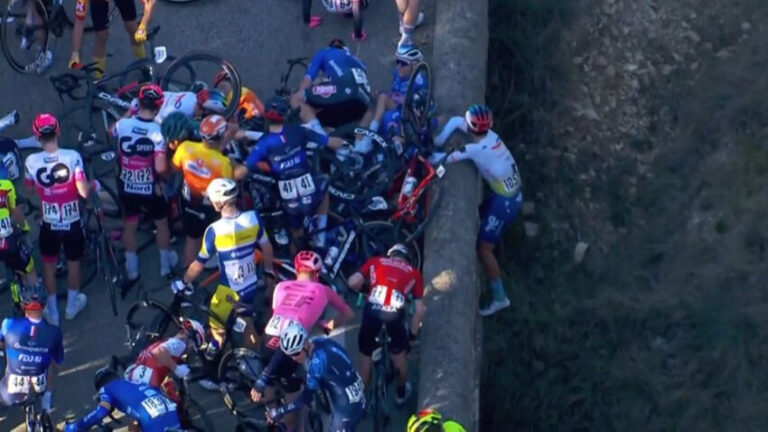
x=330 y=259
x=409 y=184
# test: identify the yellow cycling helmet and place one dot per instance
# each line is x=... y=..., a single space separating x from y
x=429 y=420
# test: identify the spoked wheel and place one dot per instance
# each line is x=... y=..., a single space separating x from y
x=89 y=131
x=197 y=70
x=24 y=34
x=149 y=321
x=378 y=236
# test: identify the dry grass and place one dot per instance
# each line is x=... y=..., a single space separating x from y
x=672 y=332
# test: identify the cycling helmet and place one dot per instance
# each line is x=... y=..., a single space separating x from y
x=292 y=338
x=45 y=124
x=104 y=376
x=479 y=118
x=221 y=190
x=221 y=76
x=151 y=94
x=337 y=43
x=212 y=100
x=277 y=109
x=427 y=420
x=307 y=260
x=194 y=330
x=213 y=127
x=31 y=297
x=175 y=127
x=399 y=250
x=409 y=54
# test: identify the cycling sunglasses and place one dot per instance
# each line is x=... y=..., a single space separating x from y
x=402 y=63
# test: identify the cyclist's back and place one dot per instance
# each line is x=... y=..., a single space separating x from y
x=334 y=63
x=200 y=164
x=146 y=369
x=184 y=102
x=302 y=301
x=331 y=369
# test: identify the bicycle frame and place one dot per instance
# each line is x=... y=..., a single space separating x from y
x=379 y=390
x=407 y=201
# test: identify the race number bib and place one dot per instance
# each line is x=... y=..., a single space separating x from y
x=240 y=272
x=21 y=384
x=155 y=406
x=361 y=78
x=302 y=186
x=338 y=6
x=138 y=181
x=511 y=184
x=6 y=228
x=60 y=214
x=139 y=374
x=355 y=392
x=275 y=325
x=379 y=297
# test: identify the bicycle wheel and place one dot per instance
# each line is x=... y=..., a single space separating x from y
x=148 y=321
x=138 y=73
x=23 y=38
x=415 y=113
x=380 y=414
x=378 y=236
x=106 y=262
x=86 y=129
x=185 y=74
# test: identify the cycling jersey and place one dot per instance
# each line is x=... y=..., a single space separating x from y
x=200 y=164
x=330 y=369
x=186 y=102
x=7 y=203
x=140 y=141
x=234 y=240
x=147 y=370
x=302 y=301
x=54 y=176
x=400 y=86
x=336 y=63
x=30 y=346
x=490 y=155
x=250 y=104
x=392 y=280
x=153 y=411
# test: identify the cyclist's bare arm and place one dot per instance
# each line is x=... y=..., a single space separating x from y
x=193 y=271
x=83 y=187
x=149 y=6
x=418 y=315
x=239 y=171
x=338 y=303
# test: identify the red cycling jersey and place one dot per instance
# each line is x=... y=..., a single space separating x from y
x=147 y=370
x=391 y=282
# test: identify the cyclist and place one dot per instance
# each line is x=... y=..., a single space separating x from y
x=200 y=163
x=233 y=238
x=410 y=18
x=13 y=250
x=100 y=18
x=142 y=164
x=329 y=369
x=386 y=115
x=249 y=107
x=353 y=8
x=192 y=104
x=345 y=98
x=156 y=362
x=58 y=176
x=143 y=404
x=392 y=279
x=283 y=148
x=429 y=420
x=498 y=168
x=302 y=300
x=30 y=345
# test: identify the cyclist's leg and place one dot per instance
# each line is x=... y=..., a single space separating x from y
x=497 y=212
x=158 y=210
x=100 y=18
x=81 y=12
x=366 y=342
x=74 y=249
x=398 y=348
x=221 y=308
x=132 y=205
x=194 y=221
x=128 y=13
x=50 y=245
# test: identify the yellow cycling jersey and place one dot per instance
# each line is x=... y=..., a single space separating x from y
x=7 y=203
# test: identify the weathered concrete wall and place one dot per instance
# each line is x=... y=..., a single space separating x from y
x=450 y=351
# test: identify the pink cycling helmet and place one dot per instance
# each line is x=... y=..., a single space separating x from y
x=307 y=261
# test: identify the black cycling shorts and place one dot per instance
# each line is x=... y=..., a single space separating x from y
x=196 y=218
x=100 y=12
x=156 y=206
x=373 y=319
x=338 y=103
x=15 y=254
x=72 y=239
x=281 y=364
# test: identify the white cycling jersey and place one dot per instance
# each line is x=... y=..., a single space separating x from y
x=139 y=142
x=172 y=102
x=54 y=176
x=490 y=155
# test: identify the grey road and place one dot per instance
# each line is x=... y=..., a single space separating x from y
x=257 y=36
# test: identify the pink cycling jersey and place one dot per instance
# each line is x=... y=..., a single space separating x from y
x=140 y=142
x=54 y=176
x=302 y=301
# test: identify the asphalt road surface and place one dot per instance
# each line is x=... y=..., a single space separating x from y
x=257 y=36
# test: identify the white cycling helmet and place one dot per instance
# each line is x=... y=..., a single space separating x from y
x=221 y=190
x=409 y=54
x=292 y=338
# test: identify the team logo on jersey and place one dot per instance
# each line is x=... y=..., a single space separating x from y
x=59 y=173
x=143 y=146
x=324 y=91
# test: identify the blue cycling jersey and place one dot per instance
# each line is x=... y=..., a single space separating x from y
x=150 y=408
x=30 y=346
x=334 y=62
x=284 y=151
x=400 y=85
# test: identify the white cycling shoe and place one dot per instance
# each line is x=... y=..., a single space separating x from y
x=80 y=301
x=51 y=315
x=494 y=307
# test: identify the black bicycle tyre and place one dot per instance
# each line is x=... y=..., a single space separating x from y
x=201 y=56
x=110 y=269
x=408 y=119
x=158 y=327
x=140 y=64
x=6 y=33
x=72 y=120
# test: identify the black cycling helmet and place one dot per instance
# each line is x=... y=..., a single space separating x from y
x=104 y=376
x=277 y=109
x=337 y=43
